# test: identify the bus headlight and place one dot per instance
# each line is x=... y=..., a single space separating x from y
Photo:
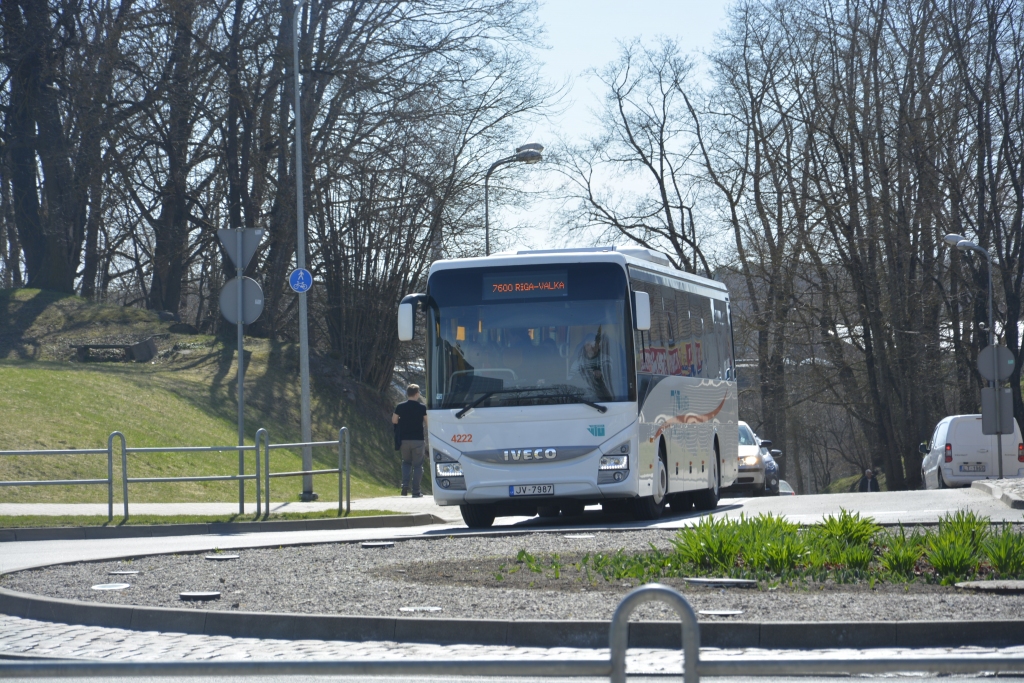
x=448 y=469
x=614 y=462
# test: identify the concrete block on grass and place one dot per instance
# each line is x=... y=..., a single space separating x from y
x=558 y=633
x=827 y=634
x=168 y=620
x=959 y=633
x=80 y=612
x=447 y=631
x=51 y=533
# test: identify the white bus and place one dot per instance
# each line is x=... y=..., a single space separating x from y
x=565 y=378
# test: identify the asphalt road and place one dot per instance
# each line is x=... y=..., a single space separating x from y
x=906 y=507
x=449 y=679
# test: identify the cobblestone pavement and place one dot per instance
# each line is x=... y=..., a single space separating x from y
x=29 y=638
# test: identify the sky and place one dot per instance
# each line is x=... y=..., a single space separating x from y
x=582 y=34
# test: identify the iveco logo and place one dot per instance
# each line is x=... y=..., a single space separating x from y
x=531 y=454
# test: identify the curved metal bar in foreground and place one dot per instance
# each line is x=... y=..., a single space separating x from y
x=619 y=636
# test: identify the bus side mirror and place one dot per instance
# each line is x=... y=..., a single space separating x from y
x=642 y=311
x=406 y=313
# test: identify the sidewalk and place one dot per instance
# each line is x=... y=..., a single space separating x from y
x=30 y=638
x=401 y=504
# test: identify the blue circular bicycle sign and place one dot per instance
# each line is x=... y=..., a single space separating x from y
x=300 y=280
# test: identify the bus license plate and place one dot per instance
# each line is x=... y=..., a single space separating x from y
x=532 y=490
x=972 y=468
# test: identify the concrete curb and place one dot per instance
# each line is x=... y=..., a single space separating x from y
x=651 y=634
x=150 y=531
x=1011 y=499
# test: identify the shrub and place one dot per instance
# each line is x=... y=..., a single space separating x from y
x=712 y=544
x=966 y=526
x=848 y=529
x=1005 y=552
x=901 y=554
x=953 y=557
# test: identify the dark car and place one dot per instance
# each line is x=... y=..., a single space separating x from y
x=771 y=469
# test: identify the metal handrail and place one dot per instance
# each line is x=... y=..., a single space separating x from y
x=241 y=477
x=489 y=667
x=344 y=466
x=109 y=481
x=619 y=636
x=614 y=667
x=262 y=439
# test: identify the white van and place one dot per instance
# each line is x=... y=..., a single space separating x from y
x=959 y=454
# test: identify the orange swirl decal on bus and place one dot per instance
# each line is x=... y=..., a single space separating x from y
x=689 y=418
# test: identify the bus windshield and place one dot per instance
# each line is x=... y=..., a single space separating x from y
x=529 y=335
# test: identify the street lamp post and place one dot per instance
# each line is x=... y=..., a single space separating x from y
x=964 y=244
x=300 y=262
x=527 y=154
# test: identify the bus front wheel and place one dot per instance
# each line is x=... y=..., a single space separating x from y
x=478 y=516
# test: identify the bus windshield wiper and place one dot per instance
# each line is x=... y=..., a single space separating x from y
x=596 y=406
x=474 y=404
x=562 y=394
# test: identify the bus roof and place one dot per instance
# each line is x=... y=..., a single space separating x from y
x=626 y=256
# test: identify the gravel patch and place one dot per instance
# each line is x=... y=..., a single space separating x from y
x=458 y=575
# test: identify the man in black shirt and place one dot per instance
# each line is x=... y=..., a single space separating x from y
x=411 y=418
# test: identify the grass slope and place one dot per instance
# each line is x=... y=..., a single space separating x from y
x=185 y=397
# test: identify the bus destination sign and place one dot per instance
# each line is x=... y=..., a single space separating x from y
x=526 y=285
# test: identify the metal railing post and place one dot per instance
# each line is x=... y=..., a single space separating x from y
x=348 y=472
x=619 y=631
x=261 y=436
x=110 y=478
x=124 y=467
x=266 y=475
x=341 y=481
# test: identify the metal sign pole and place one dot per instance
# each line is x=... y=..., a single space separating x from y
x=300 y=261
x=240 y=269
x=995 y=371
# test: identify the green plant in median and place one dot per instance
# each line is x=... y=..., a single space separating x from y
x=952 y=557
x=713 y=544
x=847 y=529
x=843 y=548
x=966 y=526
x=1005 y=552
x=899 y=559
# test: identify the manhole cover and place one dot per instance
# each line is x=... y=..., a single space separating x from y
x=578 y=536
x=722 y=583
x=720 y=612
x=127 y=572
x=222 y=557
x=200 y=595
x=111 y=586
x=419 y=609
x=378 y=544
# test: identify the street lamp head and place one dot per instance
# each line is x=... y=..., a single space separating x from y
x=529 y=156
x=530 y=146
x=966 y=245
x=953 y=239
